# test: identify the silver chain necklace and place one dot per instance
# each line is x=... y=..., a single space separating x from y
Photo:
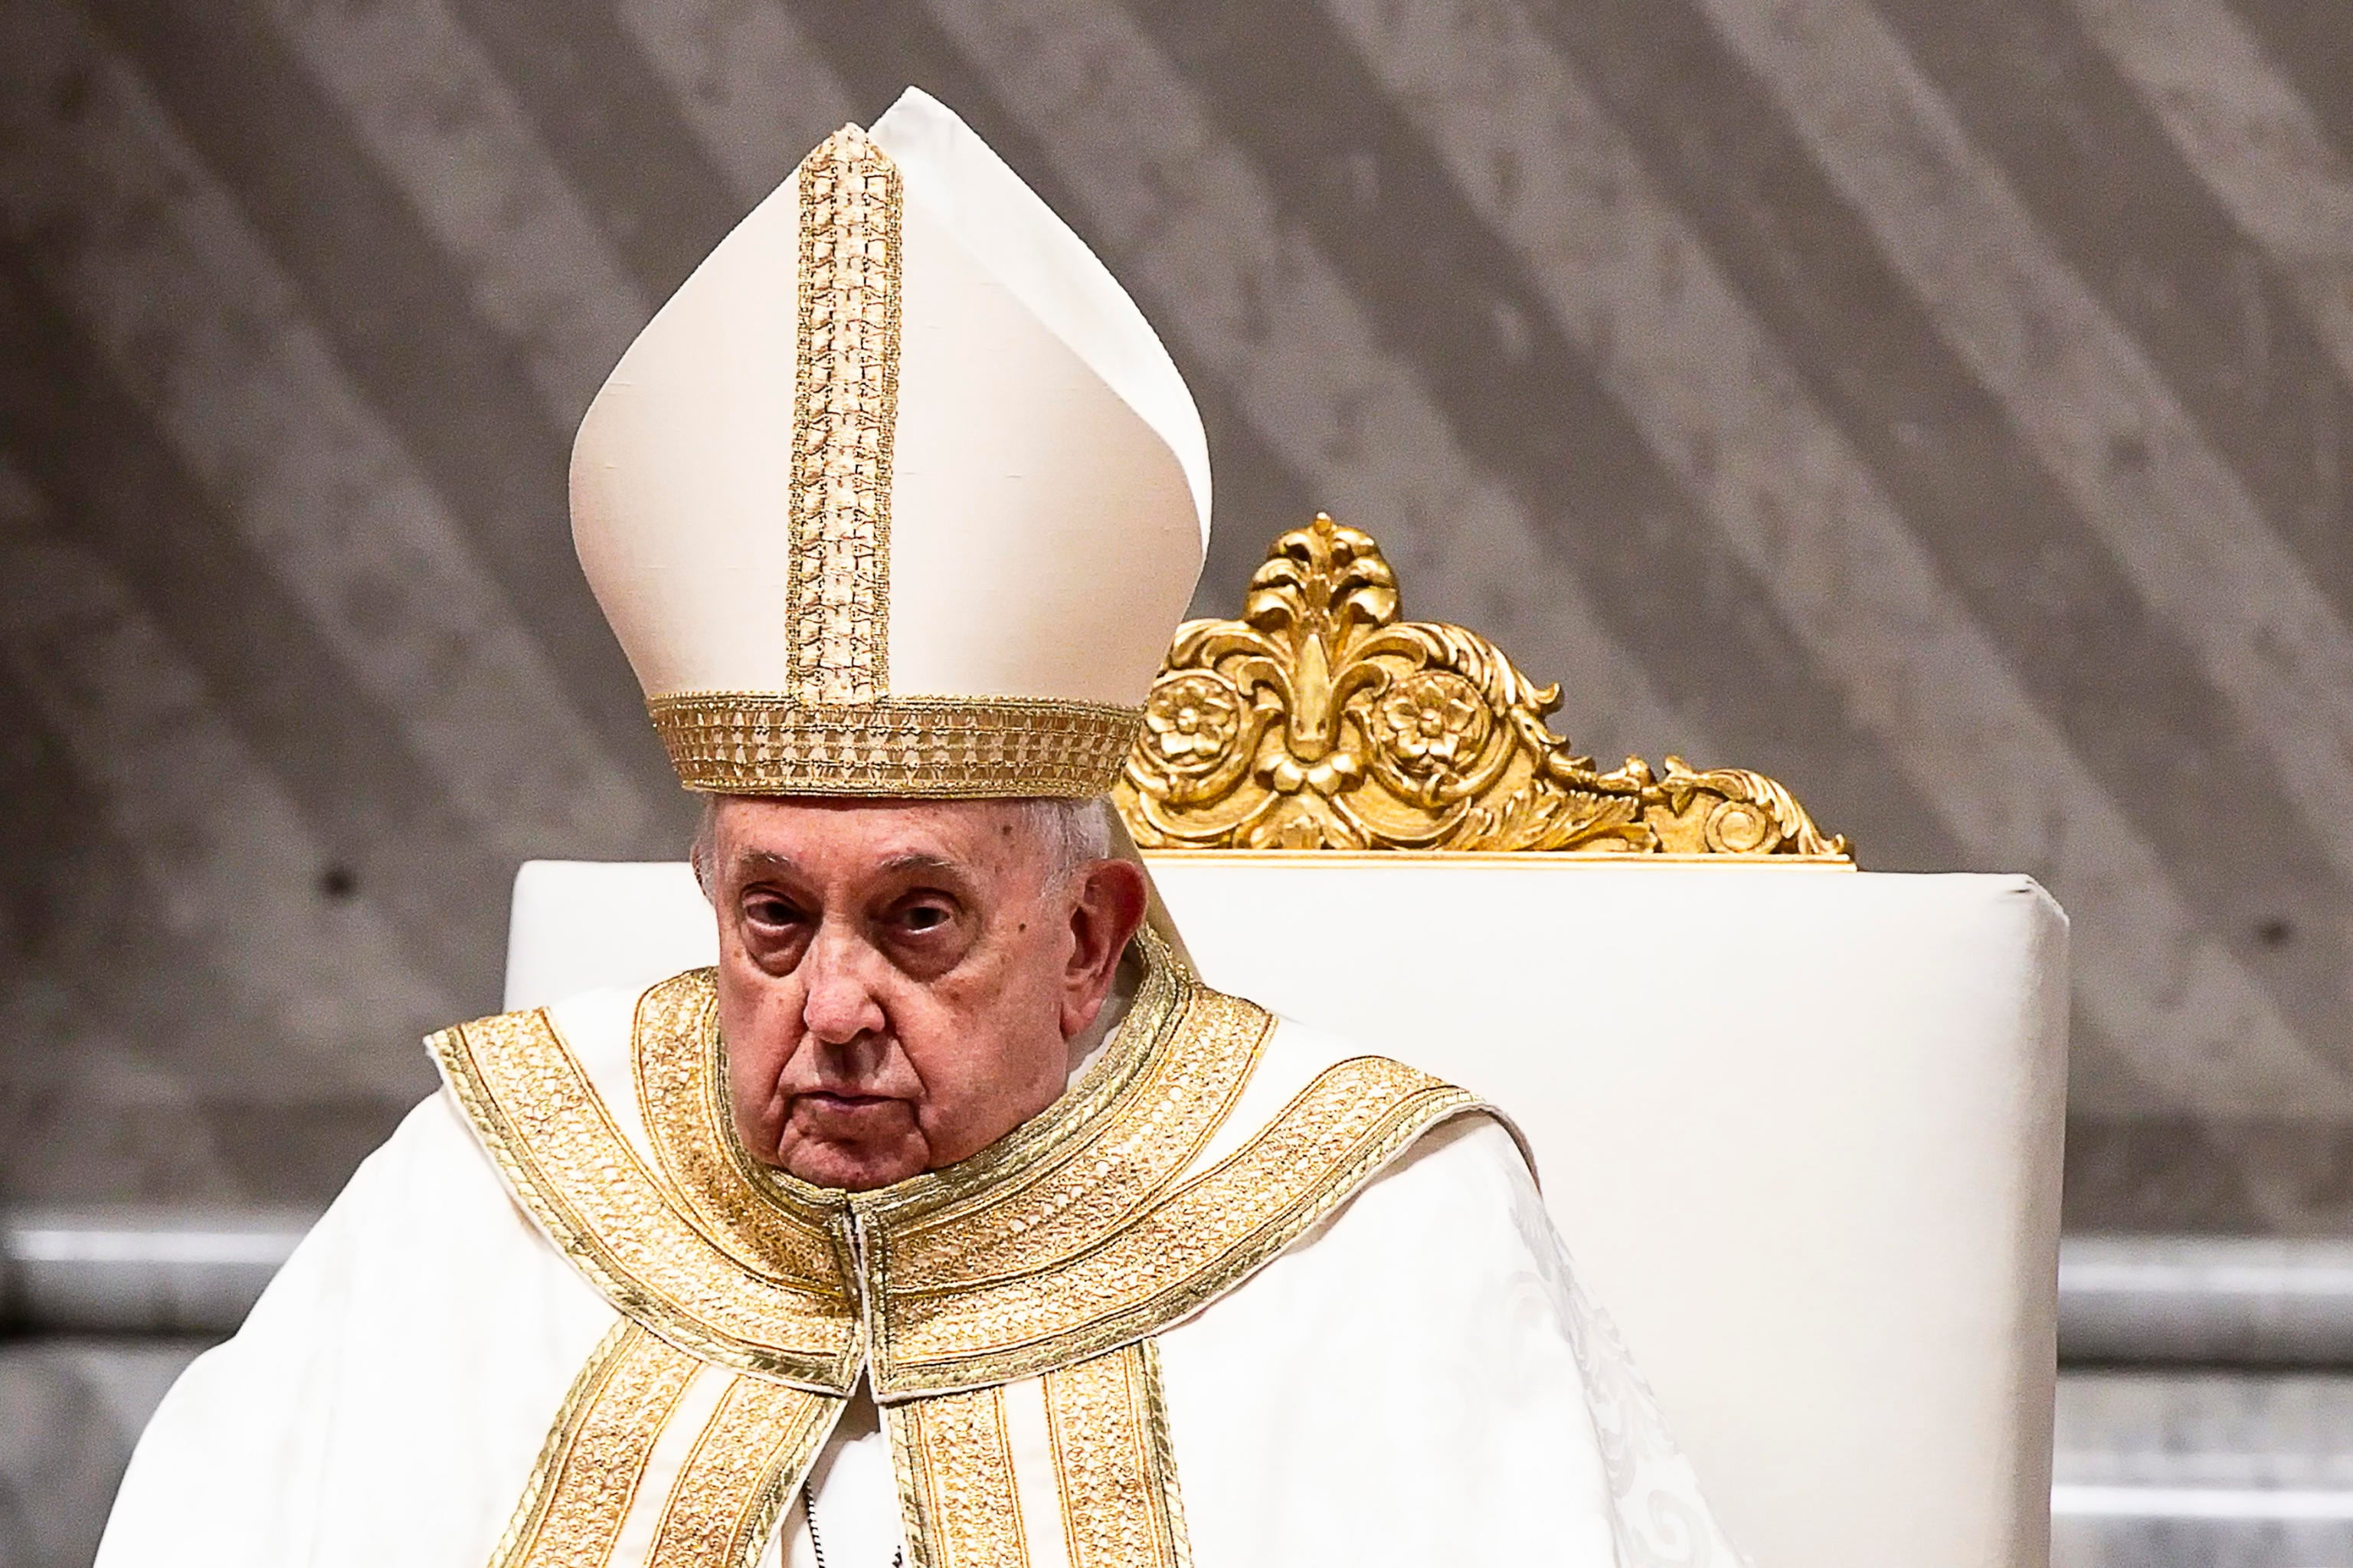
x=816 y=1547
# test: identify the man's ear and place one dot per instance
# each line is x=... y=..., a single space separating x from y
x=1110 y=907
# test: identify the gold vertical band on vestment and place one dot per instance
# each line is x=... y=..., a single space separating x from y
x=1162 y=1448
x=680 y=1070
x=845 y=411
x=1113 y=1462
x=955 y=1482
x=542 y=1121
x=741 y=1474
x=594 y=1458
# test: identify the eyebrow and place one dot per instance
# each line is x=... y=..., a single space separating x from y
x=762 y=860
x=913 y=860
x=919 y=860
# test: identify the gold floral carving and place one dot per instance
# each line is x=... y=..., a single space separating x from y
x=1322 y=720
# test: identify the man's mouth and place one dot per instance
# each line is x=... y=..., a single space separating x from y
x=843 y=1104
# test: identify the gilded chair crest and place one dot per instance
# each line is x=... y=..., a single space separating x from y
x=1321 y=720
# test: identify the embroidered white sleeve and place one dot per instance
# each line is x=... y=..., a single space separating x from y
x=1660 y=1520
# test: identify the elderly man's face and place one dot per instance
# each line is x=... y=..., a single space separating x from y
x=899 y=983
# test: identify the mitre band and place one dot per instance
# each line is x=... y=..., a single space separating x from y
x=748 y=743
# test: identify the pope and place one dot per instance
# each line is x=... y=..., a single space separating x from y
x=950 y=1220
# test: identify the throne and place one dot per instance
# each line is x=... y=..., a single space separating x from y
x=1799 y=1124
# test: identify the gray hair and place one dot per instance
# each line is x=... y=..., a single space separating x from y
x=1074 y=833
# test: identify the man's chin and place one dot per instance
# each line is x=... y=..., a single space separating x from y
x=849 y=1168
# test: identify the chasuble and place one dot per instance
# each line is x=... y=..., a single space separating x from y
x=1242 y=1296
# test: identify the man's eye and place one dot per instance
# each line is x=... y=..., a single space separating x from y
x=925 y=917
x=770 y=912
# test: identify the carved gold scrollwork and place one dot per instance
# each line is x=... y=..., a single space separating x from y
x=1321 y=720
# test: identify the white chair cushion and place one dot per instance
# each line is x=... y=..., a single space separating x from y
x=1799 y=1126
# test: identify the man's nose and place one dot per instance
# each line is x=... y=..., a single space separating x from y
x=841 y=1005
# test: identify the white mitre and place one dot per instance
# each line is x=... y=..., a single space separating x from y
x=898 y=494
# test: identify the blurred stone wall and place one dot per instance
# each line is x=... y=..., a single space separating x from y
x=1941 y=405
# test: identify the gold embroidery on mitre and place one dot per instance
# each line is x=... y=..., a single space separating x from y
x=755 y=743
x=594 y=1461
x=566 y=1162
x=1107 y=1420
x=835 y=729
x=845 y=414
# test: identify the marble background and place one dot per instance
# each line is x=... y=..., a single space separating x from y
x=1941 y=405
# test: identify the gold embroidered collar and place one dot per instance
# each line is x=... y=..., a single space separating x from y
x=1079 y=1232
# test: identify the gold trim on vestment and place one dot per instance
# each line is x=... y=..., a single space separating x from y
x=1064 y=1240
x=1171 y=1499
x=740 y=1476
x=622 y=1226
x=1114 y=1475
x=1175 y=1255
x=956 y=1479
x=754 y=1448
x=681 y=1072
x=766 y=743
x=1107 y=1420
x=1057 y=1253
x=590 y=1469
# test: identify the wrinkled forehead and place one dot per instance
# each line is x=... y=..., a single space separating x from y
x=834 y=838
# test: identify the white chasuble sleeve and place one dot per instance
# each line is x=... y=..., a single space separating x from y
x=386 y=1399
x=1421 y=1380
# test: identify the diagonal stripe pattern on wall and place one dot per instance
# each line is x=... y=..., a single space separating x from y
x=1944 y=408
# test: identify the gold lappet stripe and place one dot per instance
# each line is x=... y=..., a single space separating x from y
x=1193 y=1245
x=1112 y=1464
x=741 y=1474
x=1122 y=1161
x=955 y=1482
x=594 y=1458
x=542 y=1122
x=682 y=1082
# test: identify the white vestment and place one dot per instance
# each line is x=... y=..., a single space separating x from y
x=1412 y=1378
